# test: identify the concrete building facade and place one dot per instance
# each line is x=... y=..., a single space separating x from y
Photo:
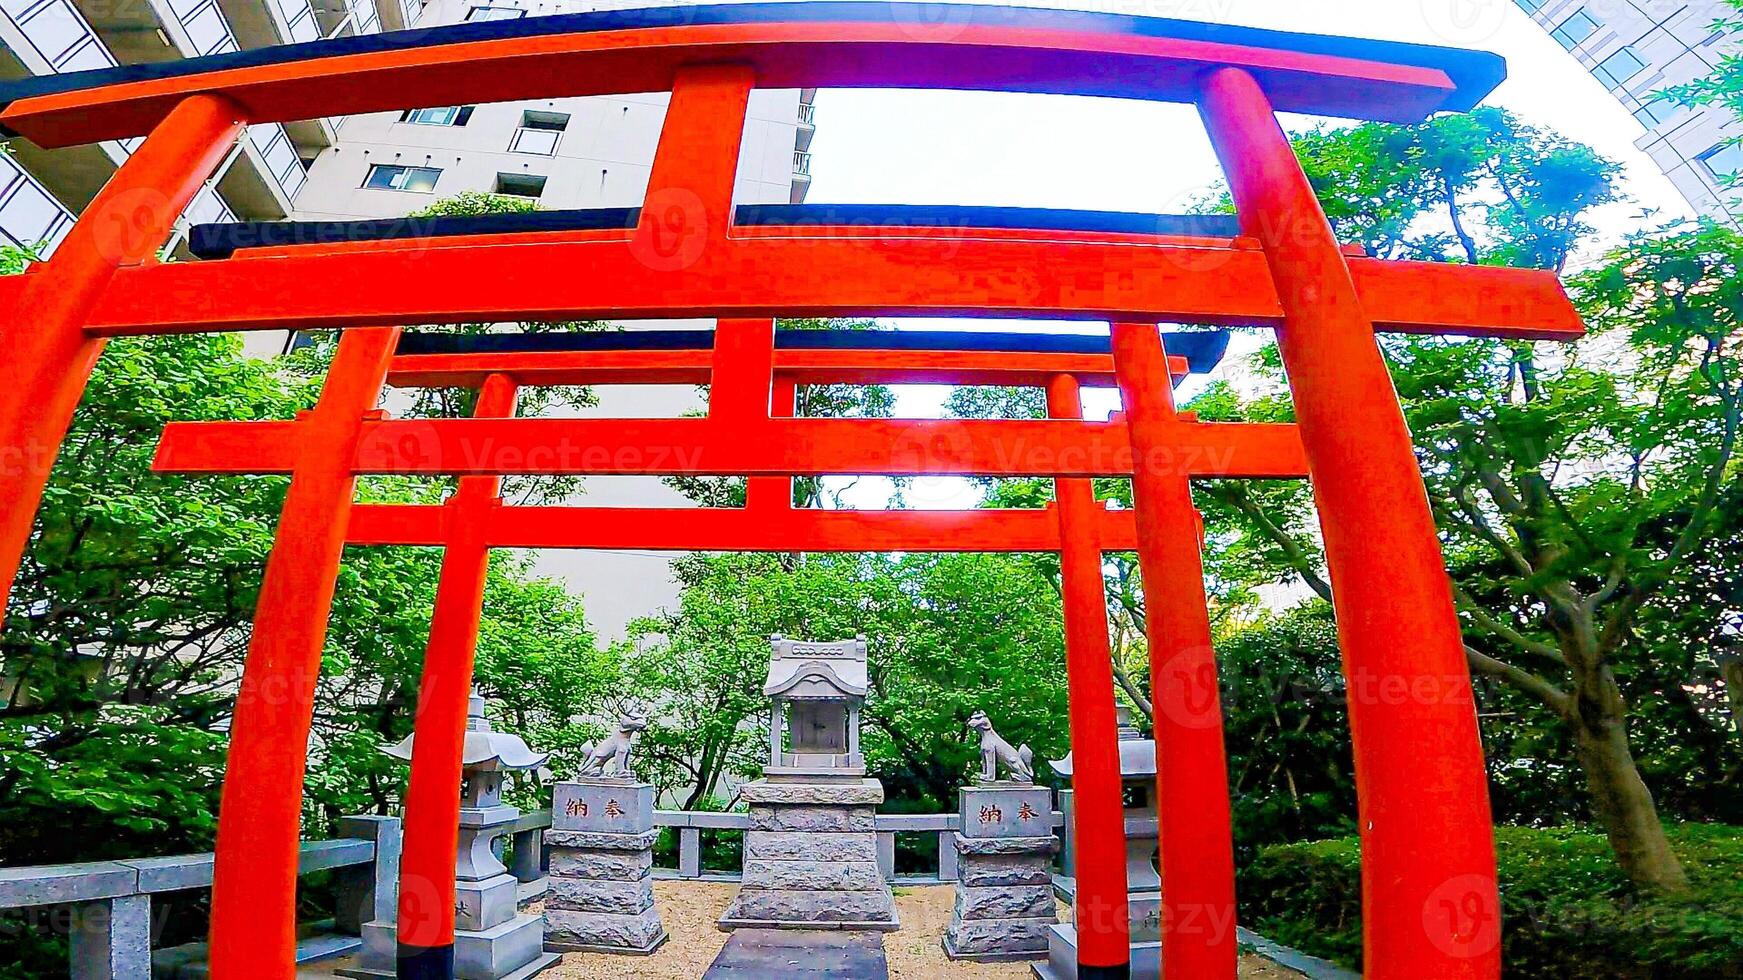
x=1640 y=48
x=593 y=152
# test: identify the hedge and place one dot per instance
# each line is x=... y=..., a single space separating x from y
x=1567 y=910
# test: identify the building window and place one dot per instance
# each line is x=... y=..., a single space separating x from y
x=1616 y=70
x=495 y=13
x=449 y=115
x=1724 y=161
x=520 y=185
x=538 y=133
x=392 y=177
x=1658 y=112
x=1575 y=30
x=1531 y=6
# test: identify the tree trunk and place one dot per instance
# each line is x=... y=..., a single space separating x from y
x=1732 y=670
x=1623 y=803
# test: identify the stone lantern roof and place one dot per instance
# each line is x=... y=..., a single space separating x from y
x=484 y=747
x=806 y=671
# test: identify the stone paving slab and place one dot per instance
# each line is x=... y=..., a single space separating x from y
x=759 y=954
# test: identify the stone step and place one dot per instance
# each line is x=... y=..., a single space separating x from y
x=758 y=954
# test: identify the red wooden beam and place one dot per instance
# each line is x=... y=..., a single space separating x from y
x=930 y=272
x=971 y=54
x=749 y=530
x=779 y=447
x=801 y=367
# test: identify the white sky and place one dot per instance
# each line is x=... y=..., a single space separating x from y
x=906 y=147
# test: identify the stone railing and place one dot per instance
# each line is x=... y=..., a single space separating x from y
x=526 y=858
x=106 y=905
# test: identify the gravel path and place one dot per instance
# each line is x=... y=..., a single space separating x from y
x=689 y=910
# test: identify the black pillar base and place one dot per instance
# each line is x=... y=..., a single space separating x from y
x=426 y=962
x=1086 y=972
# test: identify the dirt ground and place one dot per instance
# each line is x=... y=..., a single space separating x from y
x=689 y=910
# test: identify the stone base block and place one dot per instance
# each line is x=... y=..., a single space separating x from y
x=592 y=841
x=997 y=940
x=596 y=932
x=807 y=909
x=814 y=819
x=1002 y=870
x=855 y=876
x=1061 y=963
x=1014 y=902
x=863 y=792
x=778 y=845
x=481 y=905
x=495 y=954
x=594 y=895
x=571 y=862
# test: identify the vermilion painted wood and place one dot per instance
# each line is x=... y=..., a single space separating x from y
x=741 y=381
x=802 y=367
x=432 y=803
x=1430 y=907
x=1100 y=914
x=48 y=356
x=763 y=526
x=772 y=496
x=935 y=272
x=254 y=888
x=790 y=55
x=778 y=447
x=688 y=204
x=1192 y=784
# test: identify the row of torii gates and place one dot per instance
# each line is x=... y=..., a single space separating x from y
x=1430 y=901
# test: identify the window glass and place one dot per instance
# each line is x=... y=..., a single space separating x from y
x=1575 y=29
x=495 y=13
x=1617 y=69
x=1725 y=160
x=392 y=177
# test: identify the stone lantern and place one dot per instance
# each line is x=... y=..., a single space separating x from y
x=492 y=940
x=816 y=691
x=1143 y=881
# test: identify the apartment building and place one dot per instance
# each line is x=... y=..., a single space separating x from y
x=1640 y=48
x=566 y=153
x=593 y=152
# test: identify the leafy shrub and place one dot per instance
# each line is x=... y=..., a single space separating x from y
x=1568 y=911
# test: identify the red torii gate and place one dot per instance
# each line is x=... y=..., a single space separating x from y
x=753 y=382
x=1430 y=903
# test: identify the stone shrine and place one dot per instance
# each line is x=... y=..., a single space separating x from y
x=1004 y=894
x=1143 y=881
x=601 y=842
x=492 y=939
x=810 y=855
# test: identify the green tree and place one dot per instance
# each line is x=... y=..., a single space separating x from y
x=1570 y=483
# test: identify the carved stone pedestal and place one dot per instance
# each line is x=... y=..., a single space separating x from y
x=811 y=859
x=1004 y=892
x=601 y=888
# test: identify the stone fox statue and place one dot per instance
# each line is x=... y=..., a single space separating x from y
x=1019 y=763
x=610 y=758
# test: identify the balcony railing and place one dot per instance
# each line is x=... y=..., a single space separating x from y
x=807 y=114
x=58 y=34
x=542 y=142
x=204 y=25
x=30 y=217
x=299 y=21
x=280 y=157
x=801 y=163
